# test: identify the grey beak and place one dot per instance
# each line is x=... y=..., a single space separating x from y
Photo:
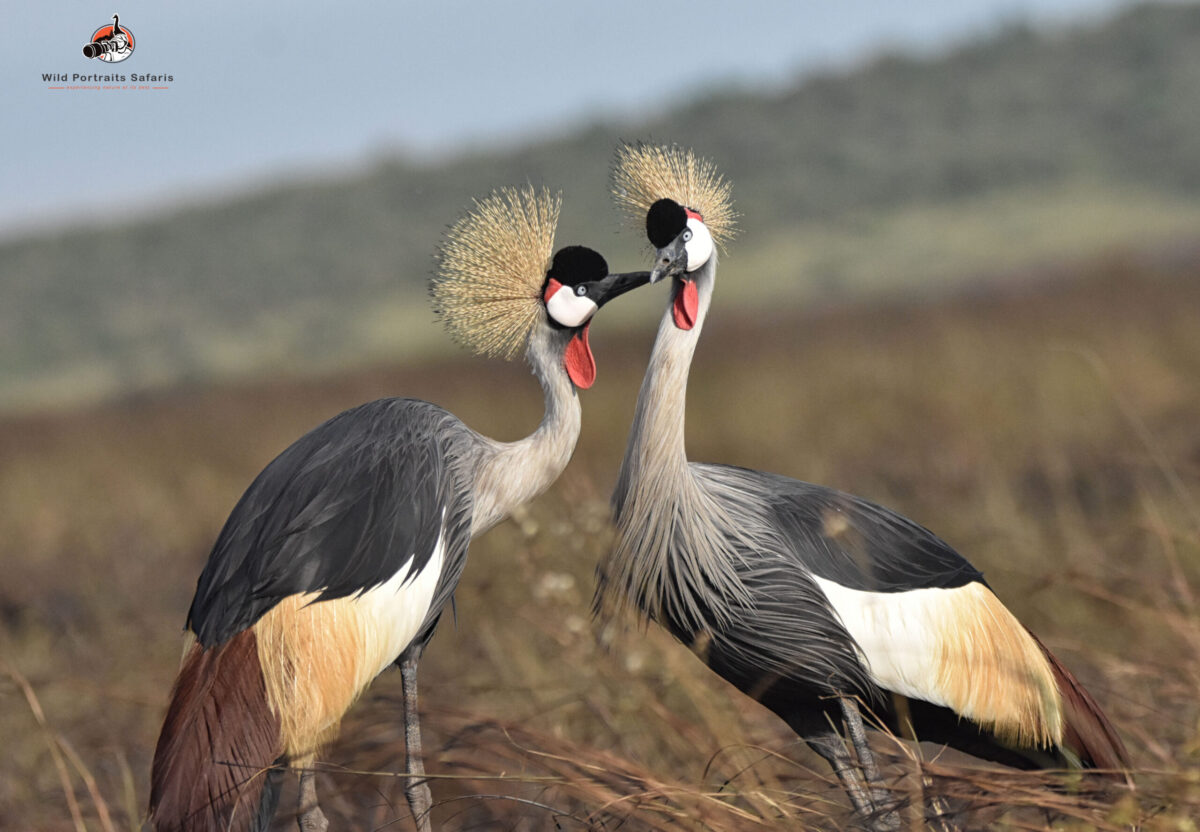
x=669 y=260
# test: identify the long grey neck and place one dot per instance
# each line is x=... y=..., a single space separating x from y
x=512 y=473
x=656 y=448
x=670 y=558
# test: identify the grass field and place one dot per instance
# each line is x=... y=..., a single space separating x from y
x=1048 y=430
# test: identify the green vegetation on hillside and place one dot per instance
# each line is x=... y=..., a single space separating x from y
x=1021 y=148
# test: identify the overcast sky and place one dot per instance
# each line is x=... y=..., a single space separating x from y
x=258 y=96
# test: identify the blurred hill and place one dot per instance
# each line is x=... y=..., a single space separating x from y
x=907 y=174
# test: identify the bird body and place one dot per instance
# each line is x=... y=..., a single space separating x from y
x=832 y=609
x=381 y=483
x=388 y=487
x=341 y=556
x=392 y=487
x=808 y=599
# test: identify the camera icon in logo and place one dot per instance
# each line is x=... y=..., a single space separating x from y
x=111 y=44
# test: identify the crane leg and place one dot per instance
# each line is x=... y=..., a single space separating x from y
x=309 y=816
x=416 y=788
x=857 y=732
x=831 y=746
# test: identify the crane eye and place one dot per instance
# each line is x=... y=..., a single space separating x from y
x=580 y=290
x=687 y=234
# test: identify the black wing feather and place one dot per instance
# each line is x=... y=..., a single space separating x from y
x=338 y=512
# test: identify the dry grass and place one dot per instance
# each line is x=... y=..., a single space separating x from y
x=1049 y=433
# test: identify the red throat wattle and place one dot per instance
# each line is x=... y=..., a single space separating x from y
x=686 y=305
x=581 y=366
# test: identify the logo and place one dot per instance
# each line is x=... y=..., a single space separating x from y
x=111 y=44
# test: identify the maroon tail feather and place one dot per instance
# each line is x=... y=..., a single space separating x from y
x=218 y=741
x=1086 y=730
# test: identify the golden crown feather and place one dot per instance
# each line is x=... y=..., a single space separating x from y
x=644 y=173
x=491 y=268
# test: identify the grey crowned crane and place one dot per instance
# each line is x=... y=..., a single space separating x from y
x=342 y=554
x=808 y=599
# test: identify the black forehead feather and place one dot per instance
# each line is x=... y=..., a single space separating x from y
x=577 y=264
x=664 y=222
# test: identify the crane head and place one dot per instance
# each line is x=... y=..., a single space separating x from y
x=683 y=244
x=577 y=284
x=687 y=208
x=497 y=281
x=680 y=237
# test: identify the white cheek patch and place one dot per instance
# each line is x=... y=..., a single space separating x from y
x=570 y=309
x=700 y=247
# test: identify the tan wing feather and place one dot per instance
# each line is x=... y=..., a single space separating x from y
x=643 y=174
x=491 y=268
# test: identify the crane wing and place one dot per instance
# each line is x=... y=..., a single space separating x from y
x=854 y=542
x=347 y=507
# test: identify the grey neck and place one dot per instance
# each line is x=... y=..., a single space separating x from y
x=669 y=559
x=656 y=445
x=512 y=473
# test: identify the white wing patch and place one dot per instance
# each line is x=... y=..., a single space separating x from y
x=897 y=635
x=399 y=606
x=959 y=648
x=318 y=656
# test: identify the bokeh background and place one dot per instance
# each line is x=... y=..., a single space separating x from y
x=967 y=285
